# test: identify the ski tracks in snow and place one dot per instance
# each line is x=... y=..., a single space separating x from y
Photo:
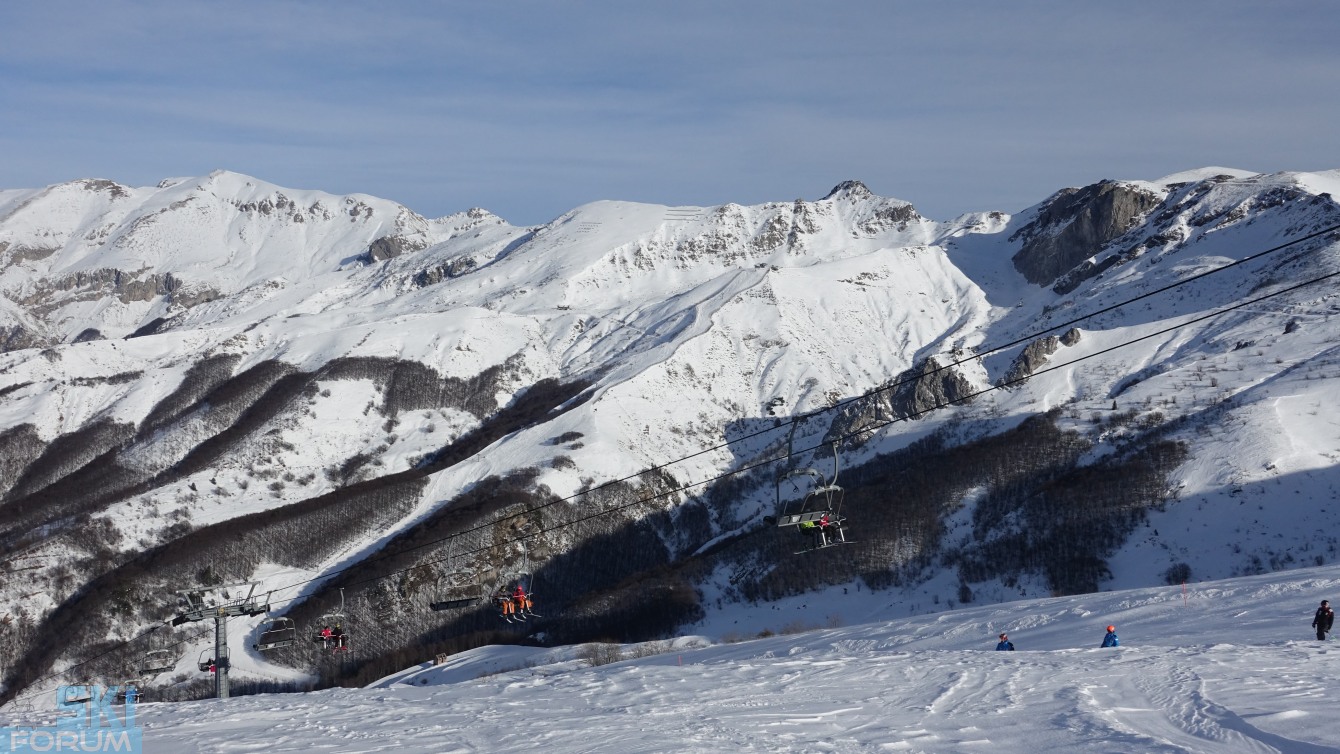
x=1166 y=701
x=795 y=697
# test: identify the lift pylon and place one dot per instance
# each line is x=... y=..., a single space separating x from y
x=219 y=603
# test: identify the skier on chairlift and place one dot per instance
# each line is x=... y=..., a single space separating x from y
x=520 y=600
x=505 y=603
x=817 y=531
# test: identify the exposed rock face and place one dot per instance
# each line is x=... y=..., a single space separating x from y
x=884 y=214
x=887 y=218
x=16 y=254
x=453 y=269
x=388 y=247
x=919 y=390
x=930 y=387
x=1075 y=225
x=854 y=190
x=101 y=184
x=16 y=338
x=1086 y=269
x=126 y=286
x=1035 y=355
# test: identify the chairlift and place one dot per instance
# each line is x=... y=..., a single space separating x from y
x=335 y=639
x=127 y=692
x=514 y=596
x=157 y=661
x=277 y=633
x=454 y=596
x=205 y=662
x=515 y=602
x=816 y=515
x=77 y=694
x=455 y=590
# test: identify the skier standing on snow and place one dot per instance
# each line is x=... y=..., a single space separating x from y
x=1005 y=644
x=1111 y=639
x=1323 y=620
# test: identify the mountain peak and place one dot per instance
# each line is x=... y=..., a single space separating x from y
x=853 y=190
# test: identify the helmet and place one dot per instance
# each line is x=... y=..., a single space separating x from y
x=1110 y=629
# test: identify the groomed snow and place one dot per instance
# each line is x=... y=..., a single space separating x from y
x=1228 y=666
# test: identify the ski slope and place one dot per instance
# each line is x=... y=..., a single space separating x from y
x=1227 y=666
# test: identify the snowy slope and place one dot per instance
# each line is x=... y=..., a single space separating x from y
x=1225 y=666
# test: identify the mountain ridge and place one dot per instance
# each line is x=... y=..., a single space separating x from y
x=302 y=357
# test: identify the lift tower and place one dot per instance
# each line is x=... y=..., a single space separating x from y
x=219 y=603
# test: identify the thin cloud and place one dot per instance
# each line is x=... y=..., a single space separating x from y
x=530 y=108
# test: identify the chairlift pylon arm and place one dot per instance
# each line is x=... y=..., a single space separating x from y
x=833 y=482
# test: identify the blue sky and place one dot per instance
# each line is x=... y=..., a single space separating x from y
x=532 y=108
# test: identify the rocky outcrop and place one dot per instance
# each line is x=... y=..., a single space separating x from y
x=16 y=254
x=910 y=395
x=1035 y=355
x=882 y=215
x=388 y=247
x=453 y=269
x=116 y=190
x=127 y=287
x=17 y=338
x=888 y=217
x=929 y=386
x=1075 y=225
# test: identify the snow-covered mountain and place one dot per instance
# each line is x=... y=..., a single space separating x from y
x=218 y=379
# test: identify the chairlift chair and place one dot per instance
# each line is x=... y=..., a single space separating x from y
x=205 y=661
x=454 y=589
x=456 y=597
x=277 y=633
x=338 y=636
x=818 y=513
x=513 y=599
x=514 y=596
x=157 y=661
x=77 y=693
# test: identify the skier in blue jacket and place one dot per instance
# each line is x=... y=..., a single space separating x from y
x=1111 y=639
x=1005 y=644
